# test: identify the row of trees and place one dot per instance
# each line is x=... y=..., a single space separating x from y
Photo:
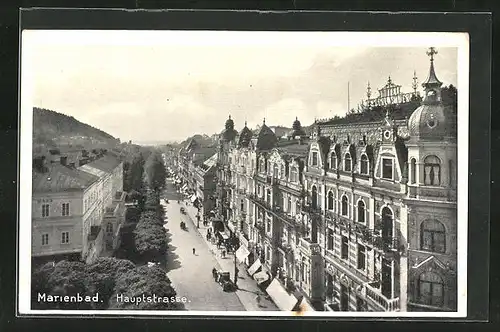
x=104 y=283
x=149 y=234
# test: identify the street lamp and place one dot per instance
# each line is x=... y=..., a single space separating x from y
x=198 y=220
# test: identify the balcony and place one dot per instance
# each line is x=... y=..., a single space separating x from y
x=372 y=293
x=309 y=247
x=259 y=201
x=287 y=217
x=272 y=180
x=259 y=225
x=443 y=194
x=260 y=177
x=307 y=208
x=284 y=246
x=242 y=191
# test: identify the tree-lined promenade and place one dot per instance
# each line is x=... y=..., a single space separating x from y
x=123 y=281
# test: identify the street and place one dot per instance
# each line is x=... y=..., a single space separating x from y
x=191 y=274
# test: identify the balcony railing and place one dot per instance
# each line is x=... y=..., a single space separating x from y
x=448 y=194
x=371 y=237
x=310 y=209
x=287 y=217
x=374 y=294
x=309 y=247
x=263 y=203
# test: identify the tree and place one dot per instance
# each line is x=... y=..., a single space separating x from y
x=102 y=276
x=150 y=240
x=147 y=281
x=63 y=279
x=449 y=96
x=155 y=171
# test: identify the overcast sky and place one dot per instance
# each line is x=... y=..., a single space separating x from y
x=169 y=86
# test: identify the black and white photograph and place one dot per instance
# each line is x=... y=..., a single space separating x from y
x=244 y=173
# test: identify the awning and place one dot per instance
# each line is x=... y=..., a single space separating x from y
x=255 y=266
x=224 y=236
x=305 y=306
x=242 y=253
x=261 y=277
x=284 y=301
x=193 y=198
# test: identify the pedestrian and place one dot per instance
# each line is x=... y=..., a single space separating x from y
x=194 y=251
x=257 y=298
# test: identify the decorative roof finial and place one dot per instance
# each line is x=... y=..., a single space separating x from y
x=414 y=84
x=296 y=118
x=245 y=123
x=368 y=91
x=431 y=52
x=229 y=116
x=389 y=81
x=264 y=121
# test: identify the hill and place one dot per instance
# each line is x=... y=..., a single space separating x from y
x=52 y=129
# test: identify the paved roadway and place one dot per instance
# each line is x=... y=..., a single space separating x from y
x=191 y=274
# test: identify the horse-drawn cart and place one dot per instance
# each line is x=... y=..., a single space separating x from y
x=224 y=279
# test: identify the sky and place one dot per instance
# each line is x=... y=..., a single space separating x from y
x=165 y=86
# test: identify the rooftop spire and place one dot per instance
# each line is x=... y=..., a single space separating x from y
x=264 y=121
x=245 y=123
x=368 y=91
x=432 y=80
x=414 y=84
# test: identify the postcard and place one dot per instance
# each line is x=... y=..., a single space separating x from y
x=243 y=173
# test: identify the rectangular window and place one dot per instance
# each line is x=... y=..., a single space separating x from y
x=314 y=159
x=45 y=239
x=387 y=168
x=361 y=257
x=65 y=209
x=344 y=249
x=65 y=237
x=330 y=239
x=45 y=210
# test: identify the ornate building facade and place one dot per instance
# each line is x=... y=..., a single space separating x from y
x=356 y=217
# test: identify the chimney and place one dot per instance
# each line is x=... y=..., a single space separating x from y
x=64 y=160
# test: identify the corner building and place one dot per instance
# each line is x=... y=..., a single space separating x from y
x=356 y=216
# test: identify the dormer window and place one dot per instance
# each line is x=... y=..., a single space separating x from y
x=333 y=161
x=388 y=168
x=364 y=165
x=314 y=159
x=347 y=162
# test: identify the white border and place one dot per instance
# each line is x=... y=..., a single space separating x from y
x=233 y=38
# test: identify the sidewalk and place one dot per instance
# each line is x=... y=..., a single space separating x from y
x=247 y=287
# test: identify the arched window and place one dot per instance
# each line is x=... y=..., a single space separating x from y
x=432 y=171
x=314 y=197
x=433 y=236
x=361 y=211
x=333 y=161
x=268 y=196
x=275 y=171
x=262 y=166
x=330 y=200
x=344 y=210
x=430 y=289
x=282 y=175
x=289 y=205
x=297 y=207
x=364 y=164
x=347 y=162
x=413 y=171
x=387 y=224
x=109 y=228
